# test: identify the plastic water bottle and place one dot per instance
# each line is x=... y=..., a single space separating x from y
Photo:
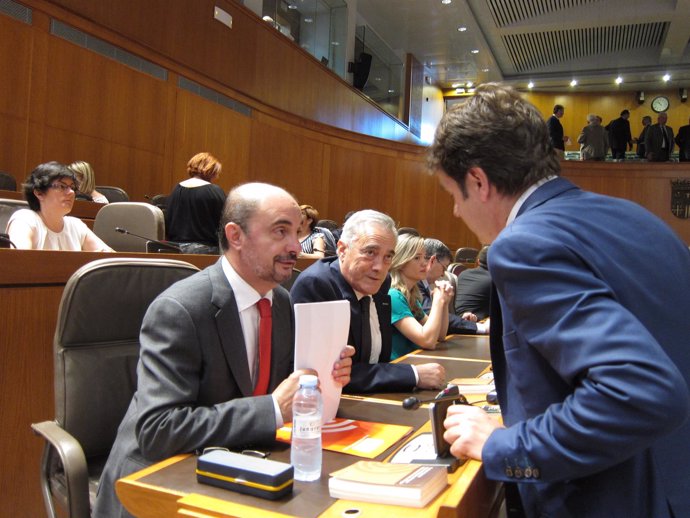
x=307 y=411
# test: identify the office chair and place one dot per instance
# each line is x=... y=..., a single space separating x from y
x=466 y=255
x=114 y=194
x=7 y=181
x=96 y=350
x=160 y=201
x=8 y=207
x=143 y=219
x=456 y=268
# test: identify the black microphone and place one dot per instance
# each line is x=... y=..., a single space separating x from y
x=450 y=393
x=5 y=240
x=169 y=246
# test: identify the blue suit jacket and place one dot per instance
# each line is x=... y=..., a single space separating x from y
x=593 y=362
x=323 y=281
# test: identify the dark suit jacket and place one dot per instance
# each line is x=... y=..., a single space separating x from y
x=323 y=281
x=592 y=370
x=641 y=151
x=456 y=325
x=473 y=292
x=653 y=140
x=619 y=134
x=555 y=132
x=683 y=141
x=194 y=387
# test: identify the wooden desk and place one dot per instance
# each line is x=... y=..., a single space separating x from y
x=169 y=488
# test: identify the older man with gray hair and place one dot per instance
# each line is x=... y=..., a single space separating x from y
x=359 y=274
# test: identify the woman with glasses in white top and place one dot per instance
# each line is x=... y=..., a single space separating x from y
x=50 y=191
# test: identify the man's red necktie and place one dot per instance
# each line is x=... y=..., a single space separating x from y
x=265 y=326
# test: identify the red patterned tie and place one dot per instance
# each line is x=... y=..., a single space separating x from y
x=265 y=325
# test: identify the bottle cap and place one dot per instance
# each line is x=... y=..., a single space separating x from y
x=308 y=380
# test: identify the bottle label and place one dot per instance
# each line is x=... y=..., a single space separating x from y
x=306 y=427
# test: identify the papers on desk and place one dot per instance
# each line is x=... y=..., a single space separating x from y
x=360 y=438
x=321 y=330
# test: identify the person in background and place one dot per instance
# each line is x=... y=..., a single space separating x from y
x=339 y=231
x=438 y=257
x=310 y=238
x=556 y=136
x=619 y=135
x=594 y=140
x=646 y=122
x=683 y=141
x=50 y=191
x=658 y=141
x=201 y=377
x=195 y=206
x=591 y=369
x=359 y=274
x=473 y=292
x=413 y=327
x=87 y=182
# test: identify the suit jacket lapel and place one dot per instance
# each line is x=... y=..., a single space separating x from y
x=230 y=329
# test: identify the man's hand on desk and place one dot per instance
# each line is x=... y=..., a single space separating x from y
x=467 y=429
x=431 y=376
x=343 y=367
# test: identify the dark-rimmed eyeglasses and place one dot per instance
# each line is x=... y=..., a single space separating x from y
x=64 y=187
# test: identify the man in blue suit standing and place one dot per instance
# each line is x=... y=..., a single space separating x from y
x=589 y=337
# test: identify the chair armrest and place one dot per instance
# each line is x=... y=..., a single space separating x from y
x=73 y=461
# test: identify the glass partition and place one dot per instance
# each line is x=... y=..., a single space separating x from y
x=384 y=84
x=318 y=26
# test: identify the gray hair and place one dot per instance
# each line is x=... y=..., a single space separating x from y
x=357 y=224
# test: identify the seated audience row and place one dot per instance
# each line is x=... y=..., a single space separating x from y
x=50 y=190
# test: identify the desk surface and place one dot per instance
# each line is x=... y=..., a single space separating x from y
x=169 y=488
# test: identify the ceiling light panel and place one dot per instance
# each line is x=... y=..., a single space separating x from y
x=534 y=51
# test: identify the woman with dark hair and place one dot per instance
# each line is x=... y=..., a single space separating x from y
x=194 y=208
x=311 y=238
x=50 y=191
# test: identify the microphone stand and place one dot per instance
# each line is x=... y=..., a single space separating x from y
x=173 y=248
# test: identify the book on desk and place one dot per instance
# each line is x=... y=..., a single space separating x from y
x=380 y=482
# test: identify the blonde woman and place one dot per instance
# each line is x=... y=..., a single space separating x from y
x=412 y=327
x=87 y=182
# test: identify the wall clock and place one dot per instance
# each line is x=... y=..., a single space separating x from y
x=660 y=103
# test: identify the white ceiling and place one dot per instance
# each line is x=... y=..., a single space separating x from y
x=548 y=42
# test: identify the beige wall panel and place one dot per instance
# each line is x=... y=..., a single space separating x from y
x=289 y=159
x=201 y=125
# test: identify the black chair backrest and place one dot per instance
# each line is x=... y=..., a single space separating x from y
x=114 y=194
x=7 y=181
x=466 y=255
x=97 y=343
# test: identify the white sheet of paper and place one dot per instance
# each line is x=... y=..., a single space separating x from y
x=321 y=330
